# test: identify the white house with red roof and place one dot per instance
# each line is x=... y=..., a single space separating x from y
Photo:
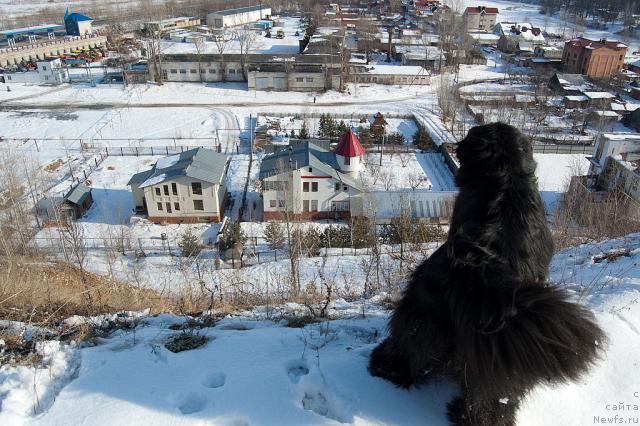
x=306 y=180
x=480 y=18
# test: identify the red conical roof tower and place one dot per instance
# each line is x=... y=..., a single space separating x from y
x=350 y=145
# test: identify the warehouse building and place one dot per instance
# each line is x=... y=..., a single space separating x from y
x=239 y=16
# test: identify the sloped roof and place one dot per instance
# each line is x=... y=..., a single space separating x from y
x=349 y=145
x=597 y=44
x=78 y=194
x=77 y=17
x=305 y=154
x=198 y=163
x=480 y=9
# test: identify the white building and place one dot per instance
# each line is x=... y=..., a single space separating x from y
x=48 y=71
x=170 y=24
x=239 y=16
x=186 y=187
x=389 y=74
x=308 y=181
x=287 y=77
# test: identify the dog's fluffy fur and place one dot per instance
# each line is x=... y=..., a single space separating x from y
x=479 y=309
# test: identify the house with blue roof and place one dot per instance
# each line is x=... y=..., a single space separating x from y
x=77 y=24
x=188 y=187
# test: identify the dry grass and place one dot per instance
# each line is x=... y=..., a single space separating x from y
x=46 y=293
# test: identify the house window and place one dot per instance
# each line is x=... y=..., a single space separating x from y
x=340 y=206
x=158 y=191
x=176 y=206
x=164 y=75
x=314 y=205
x=305 y=205
x=309 y=79
x=280 y=203
x=183 y=71
x=160 y=206
x=345 y=188
x=173 y=71
x=212 y=71
x=174 y=189
x=166 y=189
x=202 y=71
x=198 y=205
x=46 y=77
x=299 y=79
x=193 y=71
x=44 y=68
x=232 y=71
x=336 y=187
x=347 y=161
x=314 y=186
x=272 y=203
x=196 y=188
x=310 y=169
x=168 y=207
x=305 y=186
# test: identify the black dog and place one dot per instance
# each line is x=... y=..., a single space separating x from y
x=479 y=309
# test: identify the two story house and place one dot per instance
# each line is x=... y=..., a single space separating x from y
x=309 y=181
x=187 y=187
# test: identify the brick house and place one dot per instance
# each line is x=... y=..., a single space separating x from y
x=184 y=188
x=593 y=58
x=309 y=181
x=480 y=18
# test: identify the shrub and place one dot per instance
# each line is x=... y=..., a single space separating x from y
x=189 y=243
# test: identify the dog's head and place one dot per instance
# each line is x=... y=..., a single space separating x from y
x=495 y=149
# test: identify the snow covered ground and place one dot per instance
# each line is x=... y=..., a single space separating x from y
x=256 y=370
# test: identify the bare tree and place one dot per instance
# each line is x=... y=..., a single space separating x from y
x=221 y=41
x=414 y=180
x=246 y=39
x=199 y=44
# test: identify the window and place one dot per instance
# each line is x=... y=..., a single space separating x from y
x=198 y=205
x=299 y=79
x=183 y=71
x=336 y=187
x=173 y=71
x=160 y=206
x=280 y=203
x=309 y=79
x=46 y=77
x=314 y=205
x=166 y=189
x=272 y=203
x=310 y=169
x=212 y=71
x=168 y=207
x=345 y=188
x=174 y=189
x=44 y=68
x=340 y=206
x=176 y=206
x=193 y=71
x=164 y=75
x=202 y=71
x=196 y=188
x=270 y=185
x=305 y=186
x=158 y=191
x=305 y=205
x=347 y=161
x=8 y=77
x=232 y=71
x=314 y=186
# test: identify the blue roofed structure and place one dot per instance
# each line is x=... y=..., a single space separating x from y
x=77 y=24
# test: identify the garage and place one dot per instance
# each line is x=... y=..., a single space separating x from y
x=280 y=83
x=262 y=83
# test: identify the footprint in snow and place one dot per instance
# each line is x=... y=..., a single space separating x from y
x=296 y=369
x=192 y=402
x=214 y=380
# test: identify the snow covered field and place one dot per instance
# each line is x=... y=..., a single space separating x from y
x=256 y=370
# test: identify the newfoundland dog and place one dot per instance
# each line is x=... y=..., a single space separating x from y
x=479 y=310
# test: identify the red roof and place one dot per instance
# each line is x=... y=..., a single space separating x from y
x=480 y=9
x=596 y=44
x=349 y=146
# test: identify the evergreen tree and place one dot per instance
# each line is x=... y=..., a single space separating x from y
x=189 y=243
x=422 y=139
x=274 y=235
x=342 y=128
x=304 y=131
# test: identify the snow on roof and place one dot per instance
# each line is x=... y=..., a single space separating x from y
x=481 y=9
x=397 y=69
x=599 y=95
x=484 y=36
x=596 y=44
x=576 y=98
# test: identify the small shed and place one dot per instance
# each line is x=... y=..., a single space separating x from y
x=76 y=202
x=378 y=122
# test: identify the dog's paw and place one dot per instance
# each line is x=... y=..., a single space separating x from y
x=387 y=365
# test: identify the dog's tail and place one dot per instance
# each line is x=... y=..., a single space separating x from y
x=523 y=334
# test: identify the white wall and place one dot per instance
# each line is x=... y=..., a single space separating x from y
x=218 y=20
x=210 y=197
x=188 y=71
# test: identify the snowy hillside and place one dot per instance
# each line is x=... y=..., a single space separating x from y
x=256 y=370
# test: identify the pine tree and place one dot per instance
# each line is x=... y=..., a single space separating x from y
x=304 y=131
x=422 y=139
x=342 y=128
x=189 y=244
x=274 y=235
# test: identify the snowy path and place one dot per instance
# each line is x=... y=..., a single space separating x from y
x=437 y=171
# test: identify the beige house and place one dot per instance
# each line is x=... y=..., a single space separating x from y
x=480 y=18
x=187 y=187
